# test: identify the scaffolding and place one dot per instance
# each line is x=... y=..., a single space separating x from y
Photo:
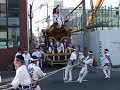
x=107 y=18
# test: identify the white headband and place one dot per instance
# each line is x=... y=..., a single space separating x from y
x=90 y=53
x=106 y=51
x=34 y=59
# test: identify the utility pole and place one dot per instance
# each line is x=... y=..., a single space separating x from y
x=47 y=18
x=31 y=16
x=31 y=28
x=84 y=28
x=92 y=8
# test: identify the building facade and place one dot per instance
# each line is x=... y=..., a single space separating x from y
x=13 y=29
x=58 y=2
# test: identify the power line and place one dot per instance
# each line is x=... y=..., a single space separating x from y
x=43 y=4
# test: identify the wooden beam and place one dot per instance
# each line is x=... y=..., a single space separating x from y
x=59 y=54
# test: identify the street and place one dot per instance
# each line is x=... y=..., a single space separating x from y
x=95 y=81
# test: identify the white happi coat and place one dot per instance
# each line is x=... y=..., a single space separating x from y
x=36 y=72
x=22 y=77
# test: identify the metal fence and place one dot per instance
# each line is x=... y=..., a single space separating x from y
x=107 y=18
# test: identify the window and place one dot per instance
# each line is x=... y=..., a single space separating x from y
x=13 y=37
x=13 y=12
x=3 y=38
x=9 y=24
x=2 y=12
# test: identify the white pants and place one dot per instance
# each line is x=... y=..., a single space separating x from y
x=26 y=62
x=40 y=62
x=64 y=50
x=68 y=71
x=50 y=50
x=59 y=22
x=55 y=18
x=106 y=71
x=83 y=73
x=38 y=88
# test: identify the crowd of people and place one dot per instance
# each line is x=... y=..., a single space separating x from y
x=59 y=47
x=87 y=64
x=28 y=69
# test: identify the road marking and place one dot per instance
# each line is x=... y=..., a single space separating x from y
x=74 y=81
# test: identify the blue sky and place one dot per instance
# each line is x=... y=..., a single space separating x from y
x=41 y=13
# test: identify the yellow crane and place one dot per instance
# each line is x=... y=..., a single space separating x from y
x=95 y=12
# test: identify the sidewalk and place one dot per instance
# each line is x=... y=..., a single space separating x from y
x=6 y=76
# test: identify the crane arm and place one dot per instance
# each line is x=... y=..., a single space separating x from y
x=96 y=10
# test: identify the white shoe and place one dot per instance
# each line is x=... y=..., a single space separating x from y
x=105 y=78
x=65 y=79
x=108 y=77
x=70 y=80
x=80 y=81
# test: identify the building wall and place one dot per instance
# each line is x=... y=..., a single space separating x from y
x=57 y=2
x=111 y=39
x=97 y=41
x=7 y=54
x=93 y=39
x=77 y=40
x=23 y=23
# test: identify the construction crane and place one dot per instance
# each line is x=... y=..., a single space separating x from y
x=93 y=14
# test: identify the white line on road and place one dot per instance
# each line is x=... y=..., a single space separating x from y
x=74 y=81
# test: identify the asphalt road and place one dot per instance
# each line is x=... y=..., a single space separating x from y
x=95 y=81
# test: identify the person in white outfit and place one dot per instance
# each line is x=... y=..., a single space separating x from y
x=69 y=67
x=19 y=52
x=38 y=55
x=60 y=21
x=51 y=47
x=87 y=65
x=80 y=58
x=107 y=65
x=56 y=14
x=22 y=80
x=35 y=72
x=65 y=46
x=27 y=57
x=59 y=48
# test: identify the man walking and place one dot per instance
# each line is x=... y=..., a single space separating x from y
x=108 y=64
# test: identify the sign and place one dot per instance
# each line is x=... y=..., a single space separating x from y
x=10 y=44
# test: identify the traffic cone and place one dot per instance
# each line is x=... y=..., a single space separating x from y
x=94 y=62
